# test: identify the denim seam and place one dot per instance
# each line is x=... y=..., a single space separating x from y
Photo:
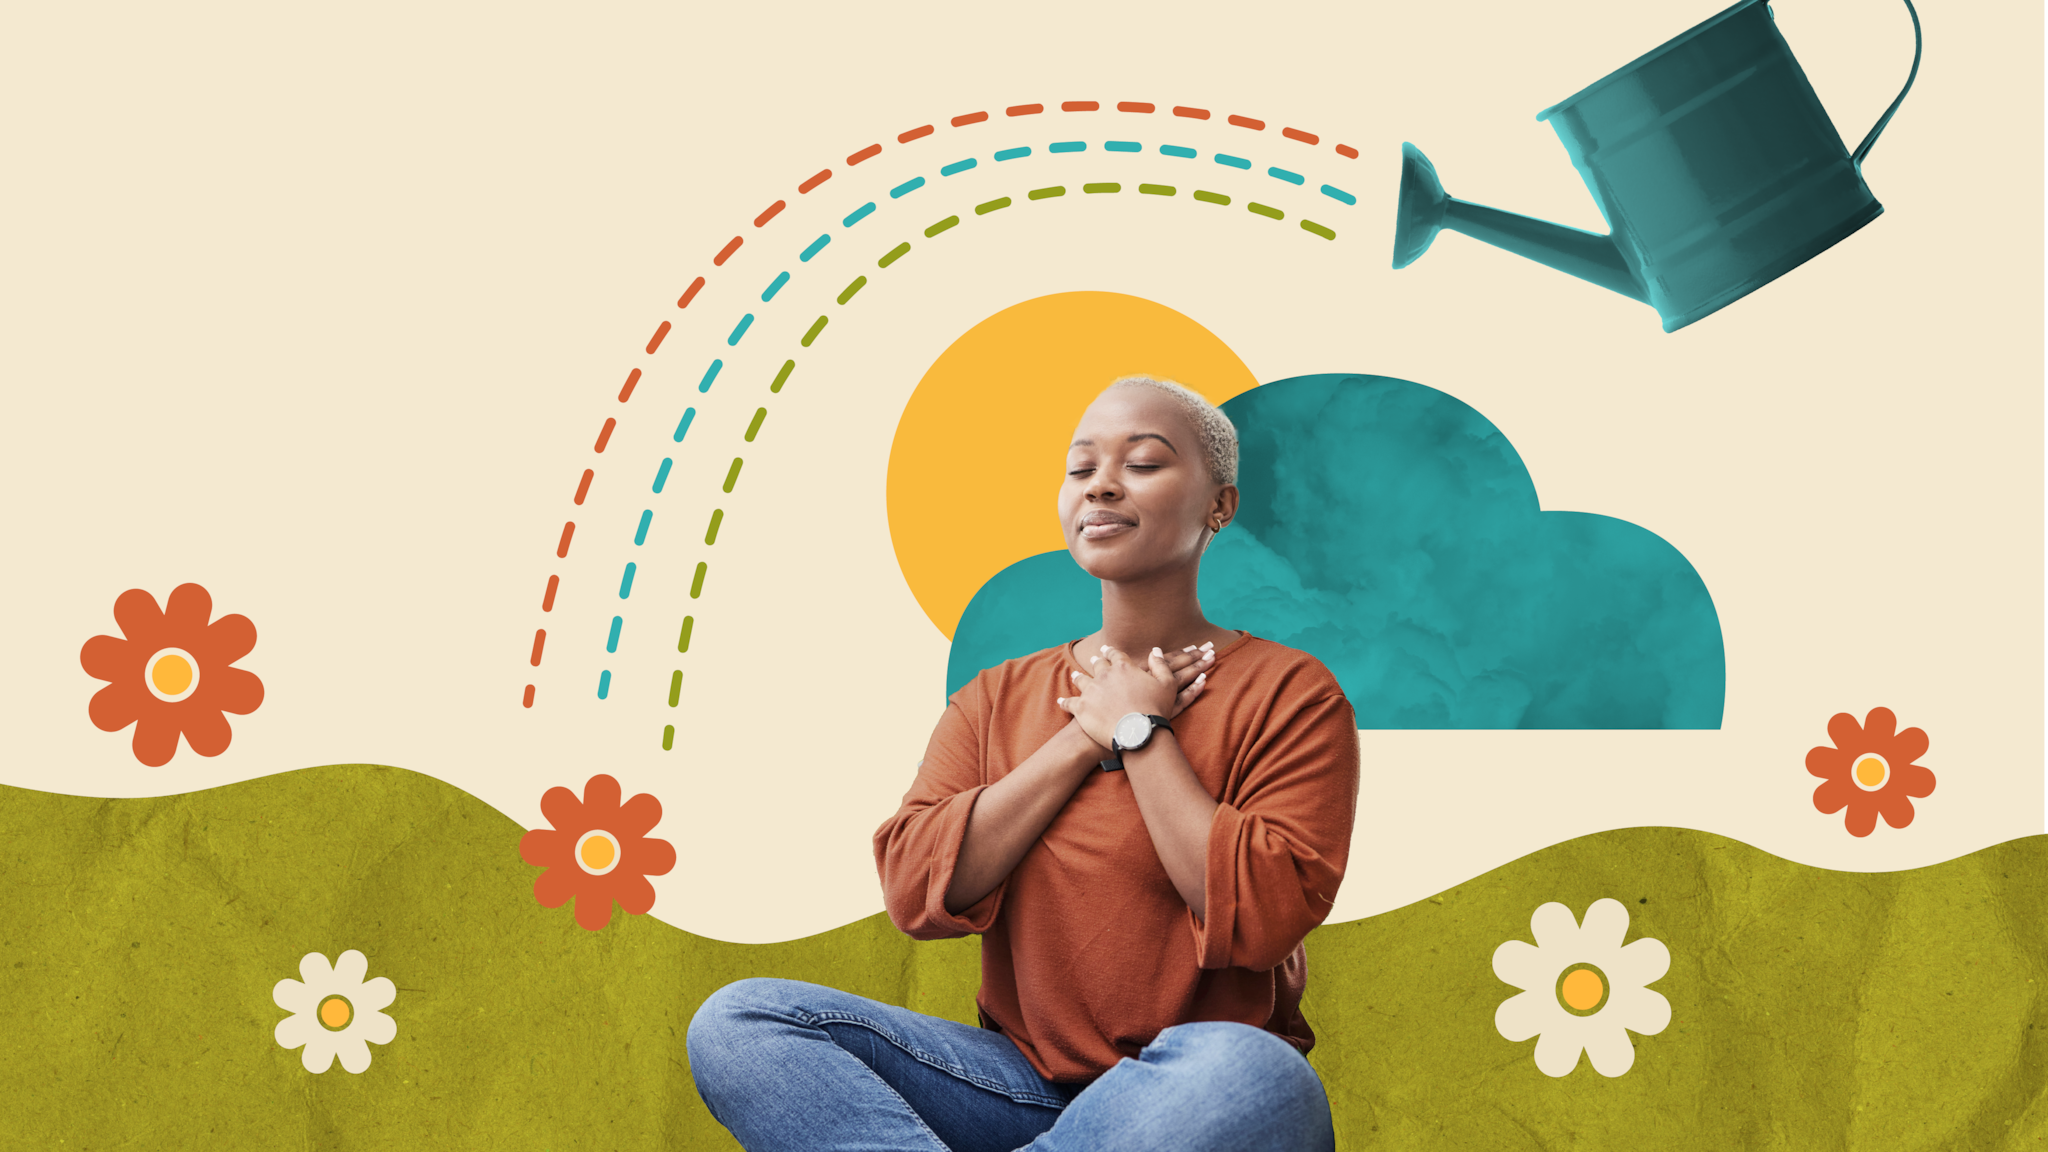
x=922 y=1057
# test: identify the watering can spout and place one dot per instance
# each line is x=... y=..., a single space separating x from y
x=1426 y=209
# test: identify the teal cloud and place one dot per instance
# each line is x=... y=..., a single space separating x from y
x=1392 y=531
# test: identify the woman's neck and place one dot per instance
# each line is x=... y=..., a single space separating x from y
x=1162 y=612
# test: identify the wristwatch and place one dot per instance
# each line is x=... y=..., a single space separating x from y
x=1131 y=733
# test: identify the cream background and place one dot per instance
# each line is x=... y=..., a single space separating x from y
x=323 y=310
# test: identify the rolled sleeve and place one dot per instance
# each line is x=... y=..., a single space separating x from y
x=1277 y=853
x=917 y=849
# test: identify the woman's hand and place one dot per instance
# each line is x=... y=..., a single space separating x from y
x=1117 y=685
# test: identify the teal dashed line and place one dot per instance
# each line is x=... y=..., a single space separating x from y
x=1233 y=161
x=784 y=279
x=1176 y=150
x=816 y=247
x=710 y=374
x=858 y=214
x=604 y=683
x=957 y=166
x=661 y=473
x=1339 y=194
x=1122 y=146
x=739 y=330
x=905 y=188
x=1068 y=146
x=1284 y=174
x=683 y=425
x=1012 y=154
x=626 y=581
x=646 y=518
x=611 y=642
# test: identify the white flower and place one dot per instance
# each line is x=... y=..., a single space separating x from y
x=1583 y=989
x=335 y=1011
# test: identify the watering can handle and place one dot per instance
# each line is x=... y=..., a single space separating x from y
x=1863 y=149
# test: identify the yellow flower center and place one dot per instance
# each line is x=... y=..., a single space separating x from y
x=597 y=852
x=1871 y=771
x=1582 y=989
x=171 y=674
x=335 y=1012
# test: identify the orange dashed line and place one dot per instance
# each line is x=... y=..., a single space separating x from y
x=1348 y=151
x=966 y=118
x=540 y=637
x=632 y=378
x=867 y=153
x=690 y=293
x=529 y=696
x=768 y=215
x=1192 y=113
x=604 y=434
x=1248 y=122
x=805 y=187
x=547 y=602
x=1298 y=134
x=1080 y=106
x=1023 y=109
x=726 y=252
x=1132 y=106
x=914 y=134
x=562 y=549
x=583 y=488
x=655 y=340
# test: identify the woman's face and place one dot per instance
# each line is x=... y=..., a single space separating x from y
x=1137 y=499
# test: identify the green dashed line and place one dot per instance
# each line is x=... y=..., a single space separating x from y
x=1047 y=193
x=675 y=689
x=683 y=641
x=788 y=366
x=859 y=282
x=1318 y=229
x=697 y=583
x=1155 y=189
x=1261 y=209
x=1096 y=188
x=760 y=414
x=995 y=205
x=813 y=333
x=1211 y=197
x=732 y=474
x=941 y=226
x=894 y=255
x=711 y=533
x=668 y=737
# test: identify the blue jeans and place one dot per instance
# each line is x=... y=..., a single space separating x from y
x=788 y=1065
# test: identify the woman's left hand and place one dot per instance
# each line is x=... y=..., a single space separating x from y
x=1120 y=685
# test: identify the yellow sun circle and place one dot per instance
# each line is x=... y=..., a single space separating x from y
x=1871 y=770
x=1582 y=989
x=335 y=1012
x=975 y=468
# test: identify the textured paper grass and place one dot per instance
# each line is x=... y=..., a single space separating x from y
x=140 y=939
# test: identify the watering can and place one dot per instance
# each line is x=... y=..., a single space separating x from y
x=1711 y=159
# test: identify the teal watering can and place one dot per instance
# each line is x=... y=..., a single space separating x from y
x=1711 y=159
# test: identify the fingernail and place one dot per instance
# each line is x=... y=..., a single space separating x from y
x=1105 y=648
x=1201 y=677
x=1062 y=701
x=1189 y=648
x=1158 y=653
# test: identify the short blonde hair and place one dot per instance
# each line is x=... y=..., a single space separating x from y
x=1217 y=433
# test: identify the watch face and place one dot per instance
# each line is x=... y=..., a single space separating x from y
x=1132 y=729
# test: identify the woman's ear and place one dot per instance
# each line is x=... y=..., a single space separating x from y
x=1223 y=509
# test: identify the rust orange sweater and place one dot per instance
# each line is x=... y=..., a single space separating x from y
x=1088 y=950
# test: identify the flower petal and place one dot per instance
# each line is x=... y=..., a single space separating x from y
x=207 y=731
x=227 y=639
x=317 y=973
x=1907 y=747
x=593 y=911
x=648 y=857
x=349 y=969
x=1524 y=965
x=545 y=847
x=564 y=811
x=156 y=737
x=375 y=995
x=112 y=659
x=1845 y=732
x=319 y=1053
x=1861 y=819
x=1525 y=1014
x=185 y=614
x=1832 y=763
x=1914 y=780
x=554 y=887
x=113 y=707
x=1879 y=725
x=1605 y=924
x=1832 y=795
x=1895 y=807
x=1555 y=927
x=236 y=690
x=1638 y=1010
x=294 y=1030
x=355 y=1055
x=601 y=798
x=638 y=817
x=1612 y=1052
x=634 y=893
x=1640 y=963
x=376 y=1027
x=1557 y=1050
x=140 y=619
x=293 y=996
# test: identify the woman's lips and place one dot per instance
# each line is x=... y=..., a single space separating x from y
x=1100 y=529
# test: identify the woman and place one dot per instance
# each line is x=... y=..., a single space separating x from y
x=1141 y=849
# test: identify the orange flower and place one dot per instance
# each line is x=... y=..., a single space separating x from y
x=1870 y=771
x=598 y=851
x=169 y=673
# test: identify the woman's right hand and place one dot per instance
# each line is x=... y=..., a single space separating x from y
x=1189 y=668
